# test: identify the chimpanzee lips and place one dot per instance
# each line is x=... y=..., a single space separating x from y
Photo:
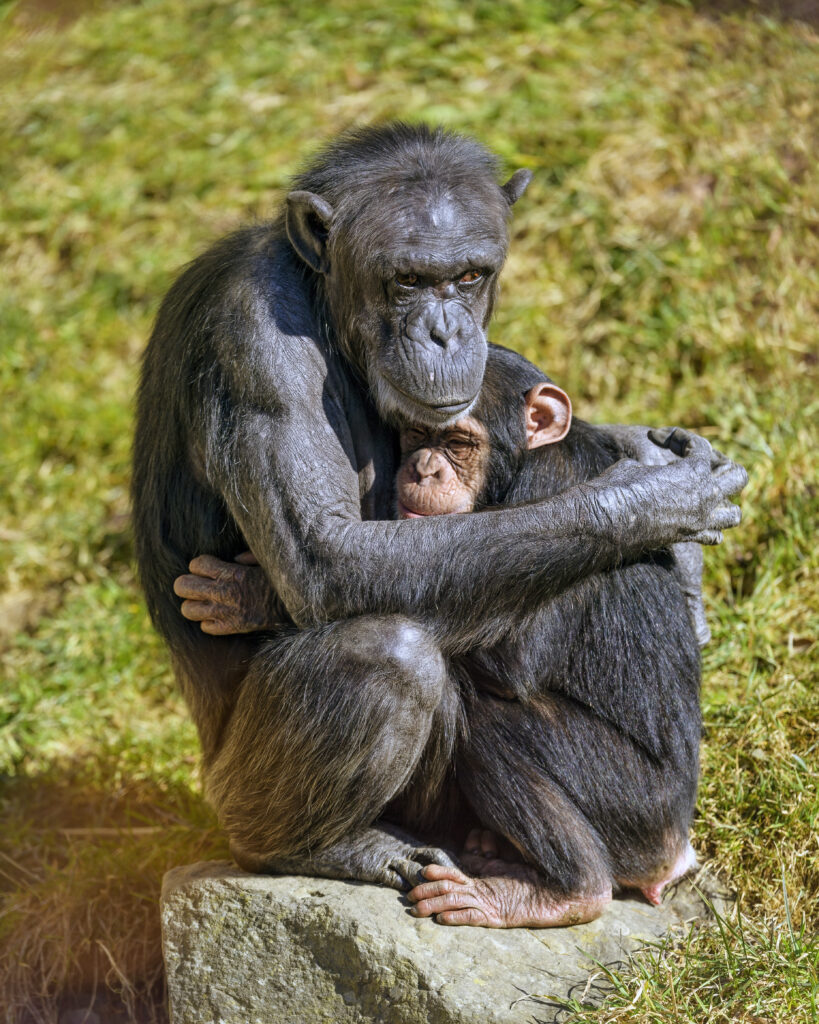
x=408 y=513
x=443 y=410
x=452 y=410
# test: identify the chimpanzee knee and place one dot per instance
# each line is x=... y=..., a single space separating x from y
x=404 y=654
x=412 y=657
x=329 y=724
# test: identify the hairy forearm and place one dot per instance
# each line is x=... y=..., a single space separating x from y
x=467 y=577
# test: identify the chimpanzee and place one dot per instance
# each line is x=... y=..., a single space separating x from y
x=279 y=365
x=593 y=672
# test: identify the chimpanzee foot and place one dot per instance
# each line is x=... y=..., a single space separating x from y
x=228 y=597
x=382 y=855
x=515 y=900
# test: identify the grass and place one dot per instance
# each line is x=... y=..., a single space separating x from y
x=663 y=269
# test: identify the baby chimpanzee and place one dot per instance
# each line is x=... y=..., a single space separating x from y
x=608 y=672
x=601 y=779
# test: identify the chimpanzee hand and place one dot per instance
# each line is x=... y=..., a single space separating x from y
x=684 y=500
x=648 y=446
x=228 y=597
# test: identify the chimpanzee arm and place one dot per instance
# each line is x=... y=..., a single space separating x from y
x=286 y=476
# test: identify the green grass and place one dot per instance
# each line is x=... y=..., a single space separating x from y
x=663 y=269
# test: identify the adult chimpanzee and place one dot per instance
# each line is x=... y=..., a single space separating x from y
x=278 y=361
x=593 y=772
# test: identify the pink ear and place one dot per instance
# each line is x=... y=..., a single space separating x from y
x=548 y=415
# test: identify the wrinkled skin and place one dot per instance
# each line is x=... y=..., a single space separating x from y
x=449 y=466
x=279 y=364
x=714 y=477
x=442 y=471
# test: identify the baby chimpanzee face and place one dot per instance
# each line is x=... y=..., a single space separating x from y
x=442 y=470
x=445 y=470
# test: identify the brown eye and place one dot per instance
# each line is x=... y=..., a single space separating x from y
x=470 y=277
x=407 y=280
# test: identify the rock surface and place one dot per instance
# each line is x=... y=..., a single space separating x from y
x=252 y=949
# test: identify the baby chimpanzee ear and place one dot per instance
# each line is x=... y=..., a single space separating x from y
x=548 y=415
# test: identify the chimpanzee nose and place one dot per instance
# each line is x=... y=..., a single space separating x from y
x=443 y=326
x=430 y=466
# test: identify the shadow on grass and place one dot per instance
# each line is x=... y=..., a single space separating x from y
x=82 y=853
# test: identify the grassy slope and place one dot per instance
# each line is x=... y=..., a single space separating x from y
x=663 y=269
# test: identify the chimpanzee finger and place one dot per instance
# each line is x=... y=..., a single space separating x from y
x=435 y=890
x=199 y=588
x=410 y=872
x=433 y=855
x=674 y=439
x=718 y=459
x=709 y=538
x=395 y=880
x=682 y=442
x=660 y=435
x=199 y=611
x=215 y=627
x=436 y=872
x=246 y=558
x=725 y=516
x=730 y=477
x=469 y=915
x=208 y=565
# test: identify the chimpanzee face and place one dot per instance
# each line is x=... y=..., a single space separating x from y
x=426 y=306
x=442 y=470
x=447 y=469
x=410 y=276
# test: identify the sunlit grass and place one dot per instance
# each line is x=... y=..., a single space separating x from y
x=663 y=269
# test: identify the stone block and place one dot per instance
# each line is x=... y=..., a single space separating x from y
x=256 y=949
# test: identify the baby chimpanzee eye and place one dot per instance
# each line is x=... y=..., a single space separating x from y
x=412 y=439
x=459 y=448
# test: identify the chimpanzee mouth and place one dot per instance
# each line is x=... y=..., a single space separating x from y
x=408 y=513
x=442 y=411
x=404 y=512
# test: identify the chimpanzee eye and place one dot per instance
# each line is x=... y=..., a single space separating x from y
x=411 y=439
x=470 y=277
x=407 y=280
x=460 y=449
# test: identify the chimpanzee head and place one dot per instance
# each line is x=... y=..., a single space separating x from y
x=472 y=462
x=407 y=229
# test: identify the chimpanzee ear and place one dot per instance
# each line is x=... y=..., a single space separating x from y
x=548 y=415
x=516 y=186
x=307 y=218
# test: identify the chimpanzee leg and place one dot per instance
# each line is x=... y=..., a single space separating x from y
x=328 y=725
x=565 y=877
x=586 y=808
